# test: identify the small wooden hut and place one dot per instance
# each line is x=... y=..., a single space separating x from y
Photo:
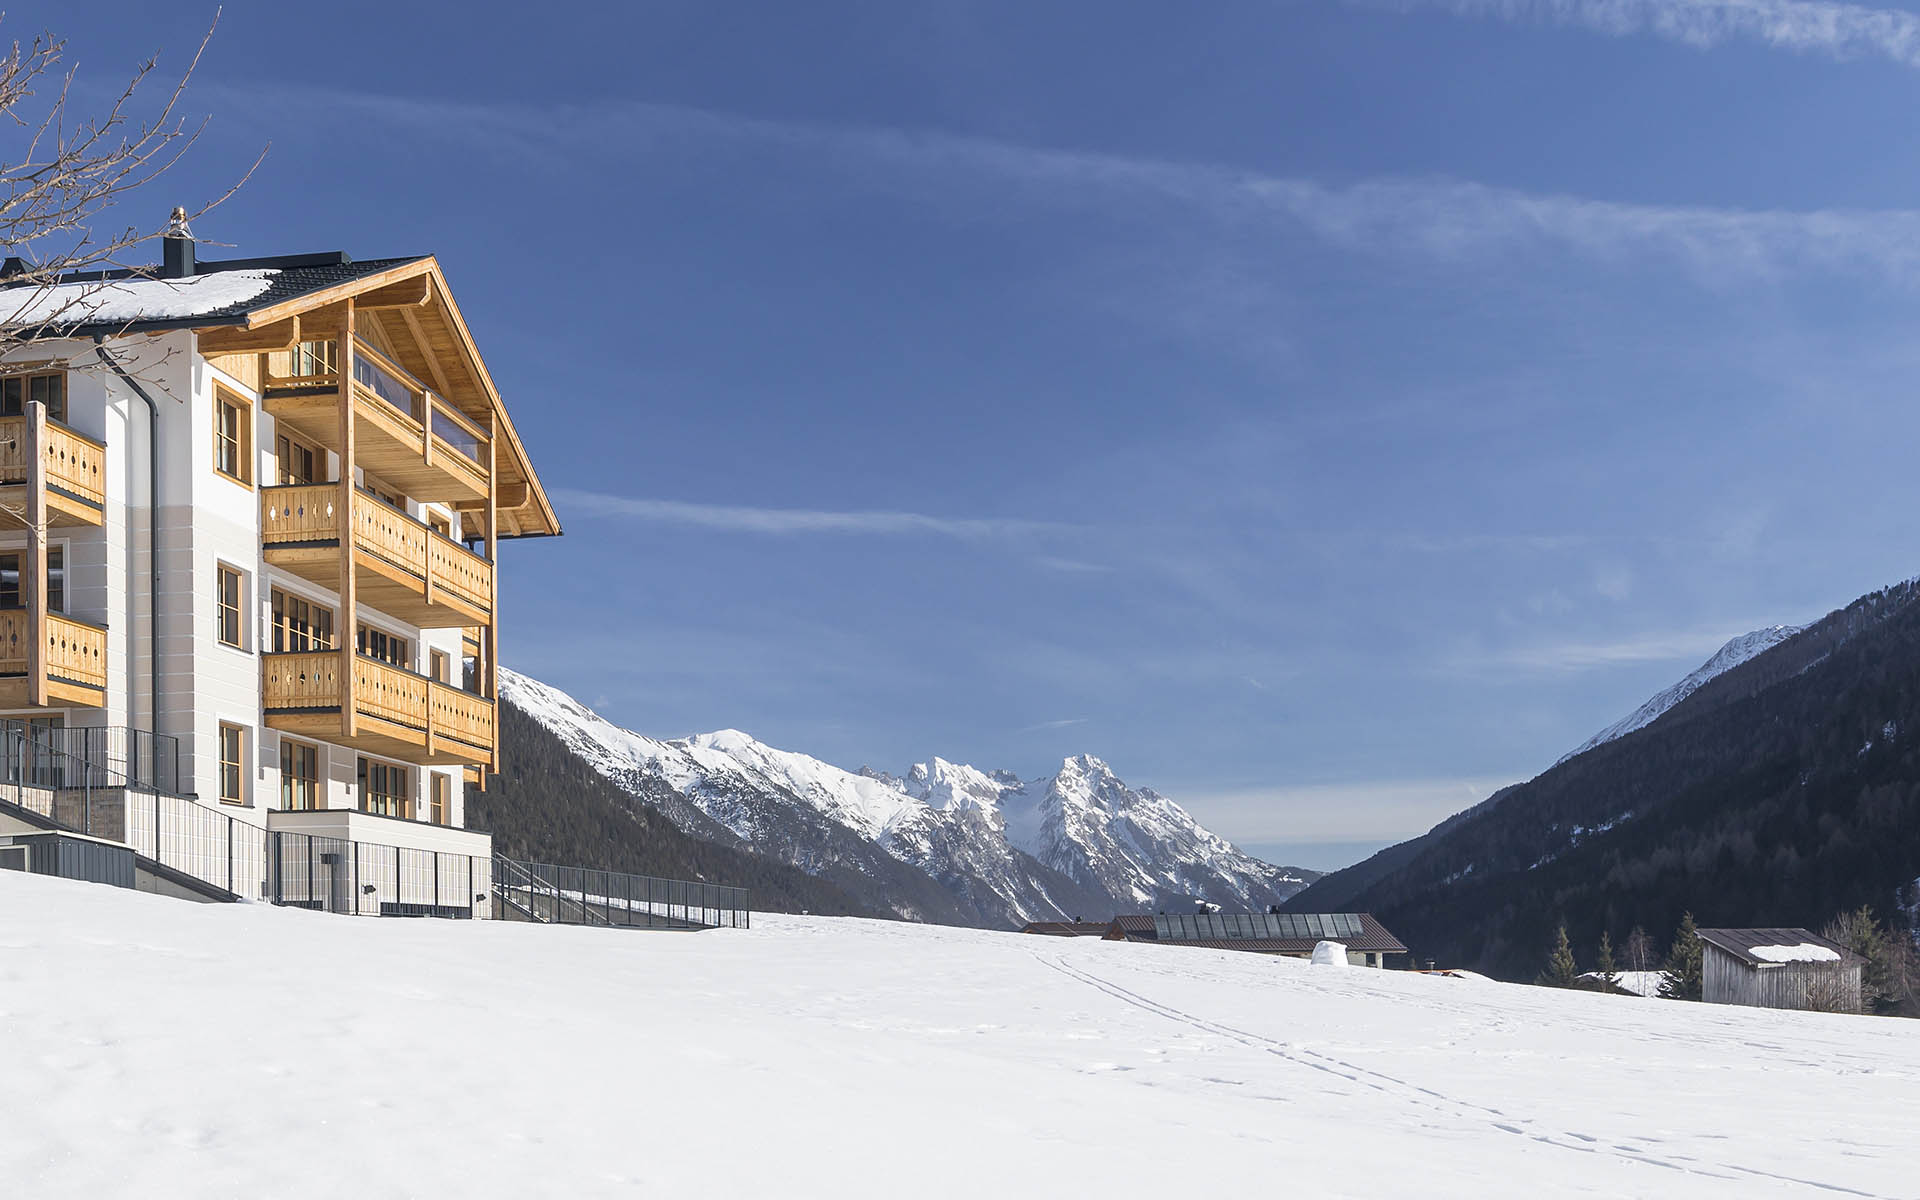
x=1778 y=968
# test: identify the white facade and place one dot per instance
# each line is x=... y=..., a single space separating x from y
x=207 y=520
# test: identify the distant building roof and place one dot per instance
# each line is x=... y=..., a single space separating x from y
x=1268 y=933
x=1759 y=948
x=1068 y=928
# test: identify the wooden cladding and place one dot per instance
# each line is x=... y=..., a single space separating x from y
x=76 y=655
x=75 y=466
x=403 y=567
x=407 y=433
x=401 y=715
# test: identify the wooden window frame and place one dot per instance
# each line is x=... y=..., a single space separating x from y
x=291 y=752
x=233 y=770
x=55 y=549
x=26 y=379
x=361 y=639
x=394 y=803
x=293 y=441
x=284 y=632
x=224 y=398
x=440 y=802
x=221 y=572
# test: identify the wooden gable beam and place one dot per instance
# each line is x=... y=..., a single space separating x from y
x=337 y=293
x=235 y=339
x=408 y=293
x=412 y=317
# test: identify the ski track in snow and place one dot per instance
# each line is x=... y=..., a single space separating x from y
x=1412 y=1093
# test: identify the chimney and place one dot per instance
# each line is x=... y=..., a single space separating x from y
x=177 y=260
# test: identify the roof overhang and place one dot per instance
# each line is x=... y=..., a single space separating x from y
x=418 y=291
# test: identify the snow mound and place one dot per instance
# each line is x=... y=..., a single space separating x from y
x=1329 y=954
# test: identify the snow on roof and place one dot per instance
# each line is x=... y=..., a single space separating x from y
x=114 y=301
x=1804 y=952
x=1771 y=947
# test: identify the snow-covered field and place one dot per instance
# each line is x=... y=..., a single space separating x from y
x=155 y=1048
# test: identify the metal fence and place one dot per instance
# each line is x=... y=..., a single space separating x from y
x=526 y=891
x=65 y=756
x=367 y=879
x=87 y=794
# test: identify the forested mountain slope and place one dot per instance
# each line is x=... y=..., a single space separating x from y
x=1779 y=793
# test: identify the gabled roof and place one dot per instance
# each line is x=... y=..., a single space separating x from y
x=249 y=303
x=1766 y=948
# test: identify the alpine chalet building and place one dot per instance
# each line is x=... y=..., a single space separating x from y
x=249 y=520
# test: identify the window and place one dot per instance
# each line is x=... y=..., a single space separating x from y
x=228 y=603
x=383 y=789
x=299 y=776
x=49 y=388
x=313 y=358
x=442 y=796
x=233 y=772
x=299 y=462
x=440 y=524
x=388 y=648
x=439 y=671
x=299 y=625
x=11 y=593
x=233 y=437
x=391 y=497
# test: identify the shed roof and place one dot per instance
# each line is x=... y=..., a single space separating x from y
x=1371 y=936
x=1743 y=944
x=1067 y=928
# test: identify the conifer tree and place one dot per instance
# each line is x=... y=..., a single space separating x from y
x=1680 y=978
x=1604 y=964
x=1561 y=970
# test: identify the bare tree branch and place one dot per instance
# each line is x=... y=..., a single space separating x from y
x=58 y=193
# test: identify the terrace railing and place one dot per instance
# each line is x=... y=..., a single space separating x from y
x=525 y=891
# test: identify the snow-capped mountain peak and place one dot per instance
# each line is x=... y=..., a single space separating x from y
x=1729 y=656
x=1001 y=850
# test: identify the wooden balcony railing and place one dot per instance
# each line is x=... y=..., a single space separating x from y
x=407 y=555
x=76 y=467
x=408 y=434
x=402 y=715
x=75 y=660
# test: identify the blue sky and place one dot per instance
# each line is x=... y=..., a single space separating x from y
x=1325 y=412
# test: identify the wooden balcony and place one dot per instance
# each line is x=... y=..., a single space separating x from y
x=74 y=664
x=404 y=433
x=398 y=714
x=75 y=472
x=402 y=567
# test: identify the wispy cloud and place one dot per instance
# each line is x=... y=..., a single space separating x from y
x=1841 y=31
x=1578 y=655
x=1436 y=219
x=1072 y=566
x=731 y=518
x=1065 y=723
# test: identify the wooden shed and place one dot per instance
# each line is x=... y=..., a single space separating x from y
x=1778 y=968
